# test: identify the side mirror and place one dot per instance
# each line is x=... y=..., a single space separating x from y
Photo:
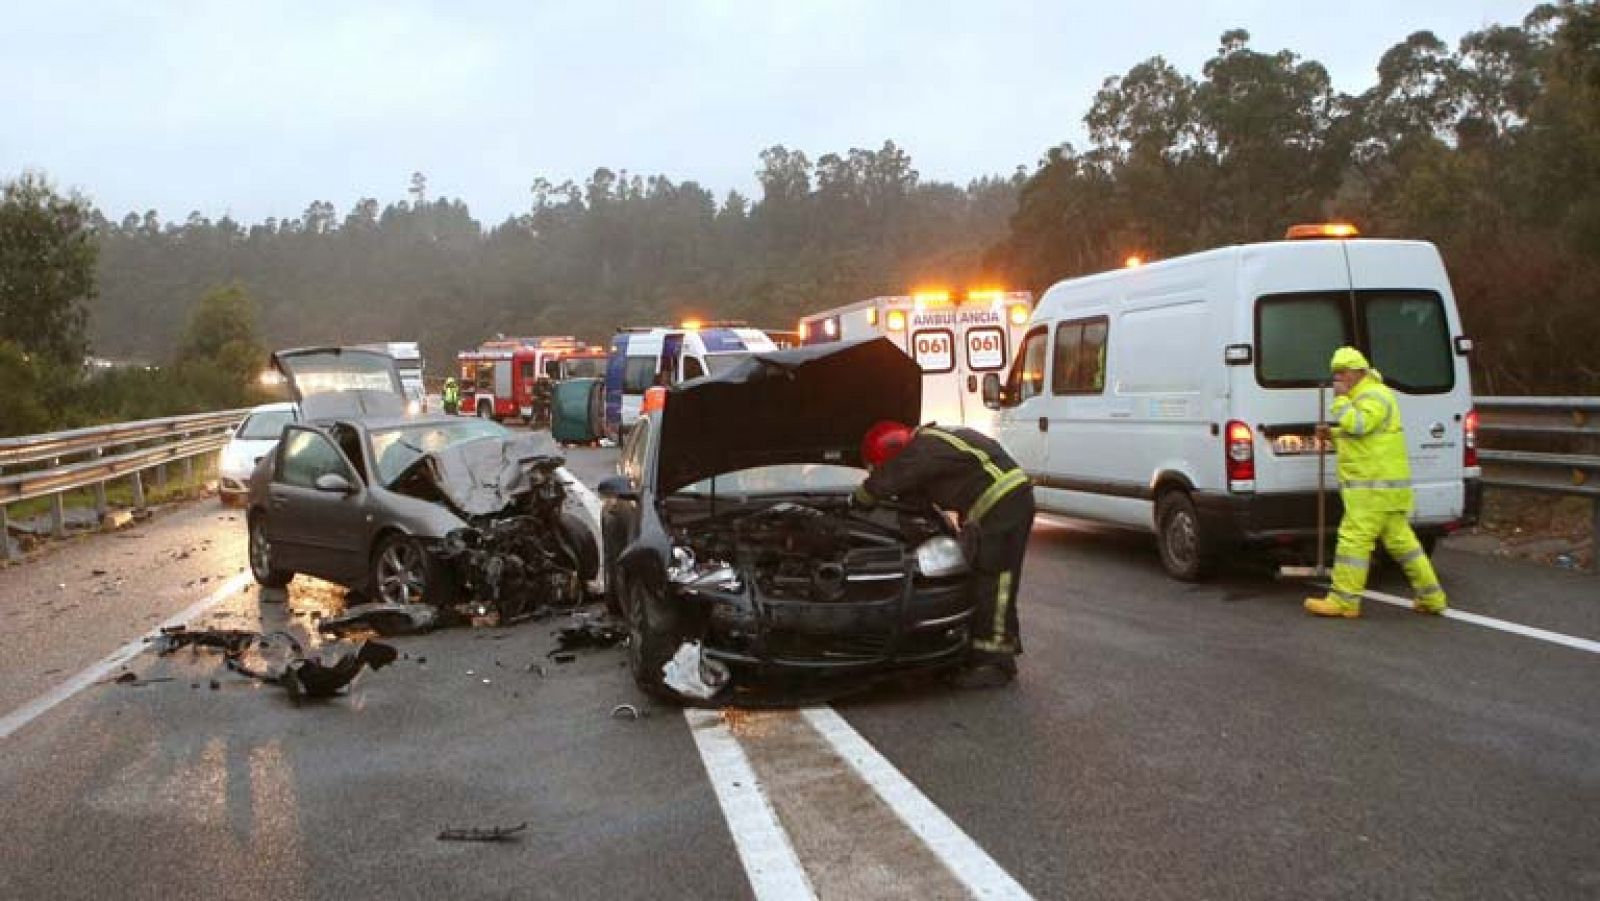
x=991 y=391
x=333 y=483
x=618 y=488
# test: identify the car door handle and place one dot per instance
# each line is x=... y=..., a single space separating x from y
x=1044 y=423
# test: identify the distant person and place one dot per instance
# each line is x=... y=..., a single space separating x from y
x=970 y=474
x=451 y=395
x=1375 y=486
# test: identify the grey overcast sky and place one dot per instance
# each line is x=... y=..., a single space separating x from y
x=257 y=108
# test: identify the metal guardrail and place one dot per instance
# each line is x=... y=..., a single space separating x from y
x=1574 y=474
x=58 y=462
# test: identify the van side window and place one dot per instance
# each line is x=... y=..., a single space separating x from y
x=1080 y=357
x=692 y=368
x=1027 y=373
x=638 y=374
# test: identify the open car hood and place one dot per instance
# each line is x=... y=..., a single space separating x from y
x=342 y=382
x=483 y=477
x=808 y=405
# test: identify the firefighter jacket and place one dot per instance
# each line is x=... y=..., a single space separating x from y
x=1374 y=470
x=954 y=468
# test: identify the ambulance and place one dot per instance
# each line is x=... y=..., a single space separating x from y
x=1181 y=397
x=644 y=356
x=955 y=339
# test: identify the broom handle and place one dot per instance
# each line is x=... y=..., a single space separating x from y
x=1322 y=483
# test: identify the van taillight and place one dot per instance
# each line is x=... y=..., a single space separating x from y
x=1241 y=457
x=1469 y=439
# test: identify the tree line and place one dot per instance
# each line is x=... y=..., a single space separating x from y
x=1490 y=148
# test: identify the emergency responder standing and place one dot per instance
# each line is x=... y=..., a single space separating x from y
x=969 y=473
x=451 y=394
x=1375 y=486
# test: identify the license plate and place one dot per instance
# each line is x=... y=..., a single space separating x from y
x=1297 y=445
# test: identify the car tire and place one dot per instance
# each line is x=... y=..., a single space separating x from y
x=1180 y=539
x=403 y=572
x=260 y=551
x=652 y=637
x=586 y=545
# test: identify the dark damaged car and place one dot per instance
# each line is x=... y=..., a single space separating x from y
x=733 y=551
x=436 y=509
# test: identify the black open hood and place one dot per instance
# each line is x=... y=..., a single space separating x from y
x=808 y=405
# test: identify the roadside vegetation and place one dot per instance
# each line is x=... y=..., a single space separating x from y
x=1489 y=148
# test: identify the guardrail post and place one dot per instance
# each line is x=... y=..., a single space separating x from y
x=5 y=534
x=161 y=478
x=58 y=508
x=1594 y=537
x=100 y=505
x=137 y=480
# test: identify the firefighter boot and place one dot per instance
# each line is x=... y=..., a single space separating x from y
x=1330 y=606
x=988 y=671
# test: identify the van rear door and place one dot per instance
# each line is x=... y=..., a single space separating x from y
x=1406 y=319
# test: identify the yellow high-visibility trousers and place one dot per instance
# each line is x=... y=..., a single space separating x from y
x=1359 y=533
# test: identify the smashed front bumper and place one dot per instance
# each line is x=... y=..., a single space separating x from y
x=907 y=623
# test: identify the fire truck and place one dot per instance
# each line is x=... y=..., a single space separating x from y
x=955 y=338
x=509 y=377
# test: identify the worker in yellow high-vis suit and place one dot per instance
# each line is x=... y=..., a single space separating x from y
x=1375 y=486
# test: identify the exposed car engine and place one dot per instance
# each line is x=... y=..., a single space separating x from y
x=811 y=551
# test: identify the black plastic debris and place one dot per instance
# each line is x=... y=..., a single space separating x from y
x=589 y=631
x=384 y=619
x=561 y=657
x=277 y=658
x=312 y=678
x=492 y=834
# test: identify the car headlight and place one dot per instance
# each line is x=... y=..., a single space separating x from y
x=941 y=556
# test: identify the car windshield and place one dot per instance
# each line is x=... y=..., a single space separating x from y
x=782 y=479
x=395 y=449
x=266 y=425
x=584 y=367
x=720 y=363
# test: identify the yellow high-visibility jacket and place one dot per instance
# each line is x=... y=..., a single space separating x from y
x=1374 y=469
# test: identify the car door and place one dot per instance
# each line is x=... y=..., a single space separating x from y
x=312 y=530
x=1024 y=426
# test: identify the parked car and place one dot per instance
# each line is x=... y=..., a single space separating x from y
x=252 y=439
x=403 y=508
x=729 y=530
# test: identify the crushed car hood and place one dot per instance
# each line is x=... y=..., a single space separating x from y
x=342 y=382
x=807 y=405
x=483 y=477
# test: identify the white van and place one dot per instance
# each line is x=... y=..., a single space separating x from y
x=641 y=357
x=1180 y=397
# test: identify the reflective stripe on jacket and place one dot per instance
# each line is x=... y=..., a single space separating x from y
x=1374 y=466
x=954 y=468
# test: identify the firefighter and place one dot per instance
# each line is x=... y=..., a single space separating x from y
x=970 y=474
x=1375 y=486
x=451 y=396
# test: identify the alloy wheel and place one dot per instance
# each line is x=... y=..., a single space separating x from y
x=402 y=573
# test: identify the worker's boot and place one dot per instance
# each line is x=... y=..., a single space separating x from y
x=988 y=671
x=1332 y=607
x=1429 y=608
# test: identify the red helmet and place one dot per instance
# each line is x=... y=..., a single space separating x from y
x=884 y=441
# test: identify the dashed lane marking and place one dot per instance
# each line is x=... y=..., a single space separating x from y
x=43 y=704
x=1489 y=622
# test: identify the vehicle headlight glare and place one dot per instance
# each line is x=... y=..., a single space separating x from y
x=940 y=556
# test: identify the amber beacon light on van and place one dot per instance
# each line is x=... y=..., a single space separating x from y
x=1314 y=230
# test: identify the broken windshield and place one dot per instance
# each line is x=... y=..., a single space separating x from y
x=395 y=449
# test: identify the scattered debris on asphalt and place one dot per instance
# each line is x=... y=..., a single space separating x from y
x=384 y=619
x=590 y=630
x=626 y=711
x=492 y=834
x=692 y=675
x=562 y=657
x=133 y=680
x=277 y=658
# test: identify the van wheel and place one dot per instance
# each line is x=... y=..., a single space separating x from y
x=1183 y=546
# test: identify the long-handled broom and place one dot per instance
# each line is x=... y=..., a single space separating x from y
x=1321 y=570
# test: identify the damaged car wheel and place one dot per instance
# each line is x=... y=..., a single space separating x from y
x=652 y=637
x=404 y=573
x=261 y=558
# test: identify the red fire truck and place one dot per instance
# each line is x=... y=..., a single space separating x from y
x=501 y=379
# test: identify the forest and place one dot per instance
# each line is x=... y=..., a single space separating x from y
x=1488 y=147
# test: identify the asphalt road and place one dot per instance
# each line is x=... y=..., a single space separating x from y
x=1163 y=741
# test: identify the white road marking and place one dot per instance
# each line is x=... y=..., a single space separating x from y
x=969 y=863
x=764 y=847
x=1489 y=622
x=35 y=708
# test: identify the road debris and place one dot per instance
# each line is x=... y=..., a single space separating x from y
x=562 y=657
x=626 y=711
x=277 y=658
x=133 y=680
x=491 y=834
x=692 y=675
x=384 y=619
